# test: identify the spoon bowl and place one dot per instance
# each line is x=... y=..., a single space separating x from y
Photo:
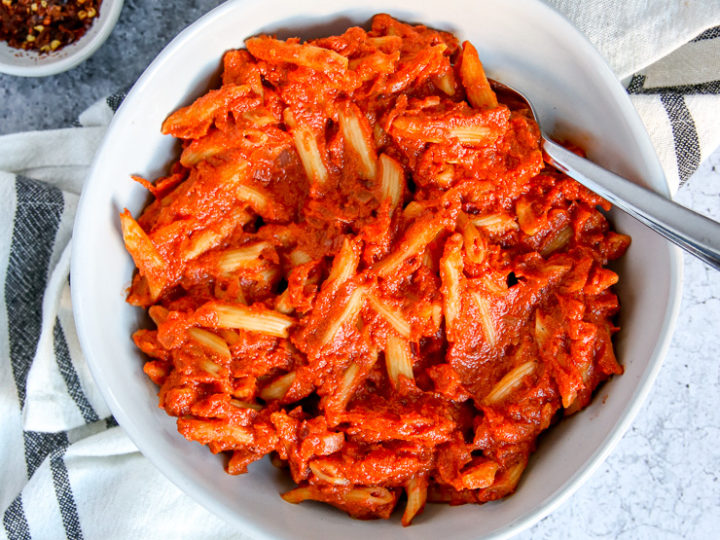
x=696 y=234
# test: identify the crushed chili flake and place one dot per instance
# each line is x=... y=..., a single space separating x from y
x=45 y=25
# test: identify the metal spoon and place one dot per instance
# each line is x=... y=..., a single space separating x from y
x=696 y=234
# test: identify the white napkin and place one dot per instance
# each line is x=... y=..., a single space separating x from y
x=632 y=34
x=67 y=469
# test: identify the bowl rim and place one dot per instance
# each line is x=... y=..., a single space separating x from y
x=85 y=48
x=574 y=482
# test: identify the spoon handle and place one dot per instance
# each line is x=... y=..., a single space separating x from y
x=694 y=233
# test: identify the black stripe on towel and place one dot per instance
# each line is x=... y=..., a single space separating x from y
x=114 y=101
x=636 y=84
x=37 y=216
x=65 y=498
x=67 y=370
x=710 y=33
x=40 y=445
x=687 y=146
x=710 y=87
x=15 y=522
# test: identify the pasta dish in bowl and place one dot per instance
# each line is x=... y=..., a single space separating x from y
x=360 y=265
x=378 y=283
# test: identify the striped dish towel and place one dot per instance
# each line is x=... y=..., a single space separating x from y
x=68 y=470
x=677 y=98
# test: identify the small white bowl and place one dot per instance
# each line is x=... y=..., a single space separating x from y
x=33 y=64
x=523 y=43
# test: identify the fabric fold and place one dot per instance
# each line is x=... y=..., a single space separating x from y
x=633 y=35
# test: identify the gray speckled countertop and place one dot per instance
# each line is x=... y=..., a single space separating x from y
x=144 y=28
x=662 y=481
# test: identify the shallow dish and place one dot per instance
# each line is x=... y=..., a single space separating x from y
x=33 y=64
x=524 y=44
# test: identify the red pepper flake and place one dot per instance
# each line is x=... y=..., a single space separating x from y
x=45 y=25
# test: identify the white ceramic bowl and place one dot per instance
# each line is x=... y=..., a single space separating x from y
x=33 y=64
x=523 y=43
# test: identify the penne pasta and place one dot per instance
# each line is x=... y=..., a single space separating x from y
x=485 y=318
x=529 y=223
x=351 y=309
x=327 y=472
x=211 y=342
x=266 y=276
x=149 y=262
x=308 y=150
x=375 y=496
x=480 y=475
x=358 y=136
x=474 y=243
x=283 y=304
x=344 y=265
x=510 y=381
x=415 y=240
x=495 y=283
x=471 y=134
x=386 y=43
x=496 y=223
x=508 y=480
x=247 y=256
x=471 y=130
x=352 y=377
x=395 y=319
x=299 y=257
x=413 y=210
x=558 y=241
x=416 y=490
x=300 y=494
x=232 y=172
x=392 y=180
x=398 y=360
x=347 y=385
x=158 y=314
x=193 y=122
x=378 y=63
x=277 y=51
x=255 y=198
x=222 y=434
x=263 y=321
x=279 y=387
x=451 y=268
x=474 y=80
x=446 y=82
x=204 y=240
x=211 y=367
x=245 y=405
x=542 y=332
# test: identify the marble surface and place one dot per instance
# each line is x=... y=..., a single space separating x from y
x=662 y=480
